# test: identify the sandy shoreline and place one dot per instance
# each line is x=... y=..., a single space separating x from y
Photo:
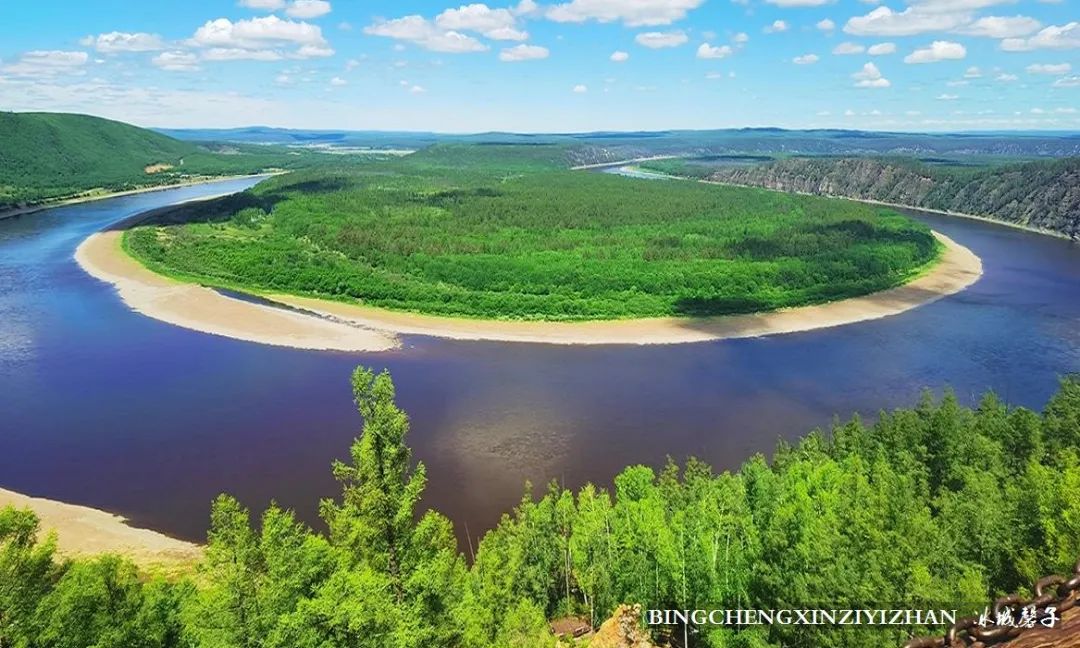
x=78 y=200
x=82 y=531
x=348 y=327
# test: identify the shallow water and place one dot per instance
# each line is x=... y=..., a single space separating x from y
x=104 y=407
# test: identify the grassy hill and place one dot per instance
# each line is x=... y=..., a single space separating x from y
x=50 y=156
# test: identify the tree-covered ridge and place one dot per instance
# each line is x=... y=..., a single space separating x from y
x=49 y=156
x=502 y=232
x=1043 y=195
x=938 y=506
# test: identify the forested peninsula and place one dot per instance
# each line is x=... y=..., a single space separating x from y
x=934 y=507
x=1042 y=195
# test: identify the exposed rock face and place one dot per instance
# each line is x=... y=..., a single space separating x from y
x=622 y=630
x=1043 y=195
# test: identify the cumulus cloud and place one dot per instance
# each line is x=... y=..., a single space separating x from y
x=658 y=40
x=422 y=32
x=113 y=42
x=740 y=38
x=259 y=39
x=953 y=6
x=948 y=97
x=308 y=8
x=46 y=63
x=805 y=59
x=1054 y=69
x=338 y=81
x=496 y=24
x=1001 y=27
x=632 y=13
x=973 y=72
x=870 y=77
x=937 y=51
x=1053 y=37
x=909 y=22
x=1067 y=82
x=240 y=54
x=848 y=48
x=581 y=88
x=619 y=56
x=706 y=51
x=176 y=61
x=1006 y=78
x=825 y=25
x=776 y=27
x=523 y=53
x=881 y=49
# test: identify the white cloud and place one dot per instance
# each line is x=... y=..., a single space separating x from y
x=176 y=61
x=633 y=13
x=417 y=90
x=909 y=22
x=706 y=51
x=1068 y=82
x=265 y=5
x=124 y=42
x=308 y=8
x=1054 y=69
x=973 y=72
x=345 y=26
x=1006 y=78
x=1001 y=27
x=47 y=63
x=870 y=77
x=351 y=65
x=825 y=25
x=848 y=48
x=849 y=113
x=258 y=39
x=741 y=38
x=776 y=27
x=805 y=59
x=937 y=51
x=338 y=81
x=1053 y=37
x=658 y=40
x=948 y=97
x=240 y=54
x=620 y=56
x=420 y=31
x=581 y=89
x=496 y=24
x=881 y=49
x=524 y=53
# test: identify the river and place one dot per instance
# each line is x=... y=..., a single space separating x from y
x=104 y=407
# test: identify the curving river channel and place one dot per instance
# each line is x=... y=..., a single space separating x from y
x=104 y=407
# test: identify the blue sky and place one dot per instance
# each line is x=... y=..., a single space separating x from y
x=564 y=65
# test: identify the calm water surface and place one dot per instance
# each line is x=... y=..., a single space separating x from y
x=104 y=407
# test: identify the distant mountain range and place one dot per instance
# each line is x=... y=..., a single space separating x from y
x=603 y=146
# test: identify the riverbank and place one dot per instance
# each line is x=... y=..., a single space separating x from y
x=82 y=532
x=326 y=324
x=78 y=200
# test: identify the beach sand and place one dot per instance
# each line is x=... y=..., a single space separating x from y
x=202 y=309
x=82 y=531
x=354 y=327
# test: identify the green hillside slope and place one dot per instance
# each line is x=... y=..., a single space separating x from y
x=49 y=155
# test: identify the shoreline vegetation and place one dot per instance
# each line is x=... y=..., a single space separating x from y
x=90 y=196
x=333 y=325
x=83 y=532
x=865 y=515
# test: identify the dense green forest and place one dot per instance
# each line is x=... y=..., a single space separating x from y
x=938 y=506
x=49 y=156
x=509 y=232
x=1042 y=194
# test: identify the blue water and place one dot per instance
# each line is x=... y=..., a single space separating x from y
x=104 y=407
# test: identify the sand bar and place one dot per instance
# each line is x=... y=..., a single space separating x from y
x=354 y=327
x=201 y=309
x=83 y=531
x=957 y=269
